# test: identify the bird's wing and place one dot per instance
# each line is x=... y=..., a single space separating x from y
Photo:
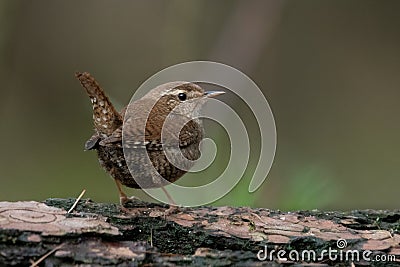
x=115 y=139
x=92 y=142
x=151 y=138
x=139 y=133
x=191 y=133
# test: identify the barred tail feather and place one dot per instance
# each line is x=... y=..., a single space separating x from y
x=106 y=118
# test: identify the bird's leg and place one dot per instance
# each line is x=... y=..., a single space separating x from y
x=123 y=198
x=170 y=199
x=172 y=205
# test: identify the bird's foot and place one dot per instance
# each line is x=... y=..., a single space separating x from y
x=171 y=210
x=129 y=202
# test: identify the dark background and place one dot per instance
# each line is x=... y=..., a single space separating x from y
x=329 y=69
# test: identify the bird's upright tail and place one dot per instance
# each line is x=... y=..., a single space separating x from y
x=106 y=119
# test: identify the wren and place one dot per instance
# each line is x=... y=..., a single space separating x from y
x=144 y=133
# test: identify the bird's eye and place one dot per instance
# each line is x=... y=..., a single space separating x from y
x=182 y=96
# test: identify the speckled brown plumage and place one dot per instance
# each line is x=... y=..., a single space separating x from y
x=139 y=143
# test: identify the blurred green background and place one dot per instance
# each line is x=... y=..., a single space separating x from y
x=329 y=69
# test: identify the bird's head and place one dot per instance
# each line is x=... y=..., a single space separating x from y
x=181 y=97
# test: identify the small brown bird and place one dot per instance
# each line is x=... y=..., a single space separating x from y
x=144 y=139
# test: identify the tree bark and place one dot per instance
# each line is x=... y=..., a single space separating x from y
x=99 y=234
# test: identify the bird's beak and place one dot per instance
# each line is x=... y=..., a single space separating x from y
x=213 y=93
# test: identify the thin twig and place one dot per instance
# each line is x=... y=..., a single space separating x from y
x=77 y=200
x=46 y=255
x=151 y=237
